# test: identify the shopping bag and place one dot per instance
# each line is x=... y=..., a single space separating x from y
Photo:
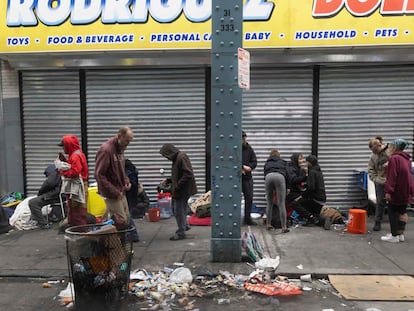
x=251 y=246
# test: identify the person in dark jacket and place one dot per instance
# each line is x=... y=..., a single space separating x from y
x=249 y=162
x=138 y=201
x=309 y=204
x=399 y=189
x=143 y=202
x=183 y=186
x=314 y=195
x=4 y=221
x=296 y=177
x=48 y=194
x=275 y=180
x=132 y=194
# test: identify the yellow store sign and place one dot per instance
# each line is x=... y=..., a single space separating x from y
x=92 y=25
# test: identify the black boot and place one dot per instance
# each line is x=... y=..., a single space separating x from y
x=377 y=226
x=250 y=222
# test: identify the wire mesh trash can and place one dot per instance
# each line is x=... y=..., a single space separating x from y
x=99 y=261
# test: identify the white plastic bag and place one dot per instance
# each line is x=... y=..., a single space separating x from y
x=61 y=165
x=268 y=264
x=181 y=275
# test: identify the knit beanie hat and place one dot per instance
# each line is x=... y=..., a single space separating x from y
x=400 y=143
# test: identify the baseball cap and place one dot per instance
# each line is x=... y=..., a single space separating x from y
x=60 y=144
x=244 y=134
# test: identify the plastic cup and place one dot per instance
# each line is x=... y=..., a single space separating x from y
x=306 y=278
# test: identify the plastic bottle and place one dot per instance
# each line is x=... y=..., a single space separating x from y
x=108 y=222
x=164 y=205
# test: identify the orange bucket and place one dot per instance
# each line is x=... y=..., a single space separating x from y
x=154 y=214
x=357 y=221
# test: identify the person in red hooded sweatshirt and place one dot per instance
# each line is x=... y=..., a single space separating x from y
x=399 y=190
x=75 y=179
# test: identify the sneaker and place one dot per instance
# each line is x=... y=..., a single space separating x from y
x=45 y=226
x=401 y=237
x=250 y=223
x=390 y=238
x=177 y=237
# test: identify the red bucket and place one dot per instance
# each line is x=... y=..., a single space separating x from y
x=357 y=221
x=154 y=214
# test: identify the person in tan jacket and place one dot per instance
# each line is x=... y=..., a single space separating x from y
x=377 y=173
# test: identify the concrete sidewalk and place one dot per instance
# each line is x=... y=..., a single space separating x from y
x=42 y=253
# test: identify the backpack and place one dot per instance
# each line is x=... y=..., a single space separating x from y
x=332 y=213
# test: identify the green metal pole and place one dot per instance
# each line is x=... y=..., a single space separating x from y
x=226 y=118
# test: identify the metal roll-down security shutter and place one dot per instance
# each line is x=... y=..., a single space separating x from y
x=161 y=106
x=11 y=174
x=51 y=109
x=277 y=113
x=357 y=103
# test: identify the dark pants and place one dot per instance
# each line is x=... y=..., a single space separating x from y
x=295 y=204
x=312 y=207
x=134 y=234
x=381 y=203
x=36 y=205
x=180 y=207
x=247 y=189
x=394 y=214
x=131 y=197
x=306 y=208
x=77 y=211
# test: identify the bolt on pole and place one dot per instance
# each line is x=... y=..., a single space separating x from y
x=226 y=142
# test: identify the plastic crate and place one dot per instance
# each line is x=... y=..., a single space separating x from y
x=362 y=179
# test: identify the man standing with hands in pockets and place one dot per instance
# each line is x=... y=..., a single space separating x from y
x=111 y=177
x=249 y=162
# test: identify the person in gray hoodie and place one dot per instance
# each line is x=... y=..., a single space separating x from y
x=183 y=186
